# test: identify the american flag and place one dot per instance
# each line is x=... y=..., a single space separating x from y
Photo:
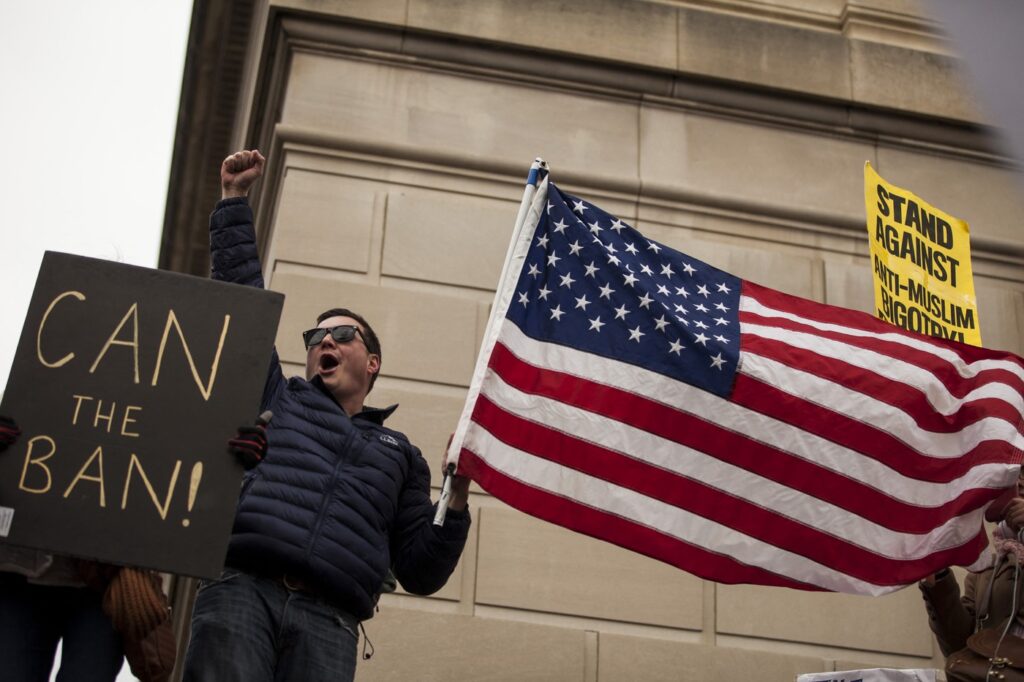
x=637 y=395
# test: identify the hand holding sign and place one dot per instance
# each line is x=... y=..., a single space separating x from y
x=9 y=432
x=250 y=445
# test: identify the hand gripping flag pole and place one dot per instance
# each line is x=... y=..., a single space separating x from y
x=538 y=171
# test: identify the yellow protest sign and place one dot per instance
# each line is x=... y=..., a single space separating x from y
x=921 y=259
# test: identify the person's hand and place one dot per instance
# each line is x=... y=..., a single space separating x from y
x=239 y=172
x=1013 y=514
x=460 y=484
x=250 y=445
x=930 y=580
x=9 y=432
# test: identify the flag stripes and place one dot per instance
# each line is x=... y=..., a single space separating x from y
x=842 y=453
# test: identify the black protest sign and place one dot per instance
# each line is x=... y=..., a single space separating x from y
x=127 y=384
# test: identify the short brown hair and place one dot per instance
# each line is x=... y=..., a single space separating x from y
x=369 y=336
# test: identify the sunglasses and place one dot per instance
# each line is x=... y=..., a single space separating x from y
x=343 y=333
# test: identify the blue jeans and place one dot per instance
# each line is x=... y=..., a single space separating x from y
x=33 y=618
x=246 y=627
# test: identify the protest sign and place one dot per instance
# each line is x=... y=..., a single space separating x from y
x=921 y=259
x=127 y=384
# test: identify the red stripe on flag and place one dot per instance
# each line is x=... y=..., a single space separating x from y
x=942 y=370
x=858 y=320
x=623 y=532
x=867 y=439
x=890 y=390
x=731 y=447
x=772 y=527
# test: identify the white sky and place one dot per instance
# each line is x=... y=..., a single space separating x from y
x=88 y=105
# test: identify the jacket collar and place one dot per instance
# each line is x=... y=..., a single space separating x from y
x=377 y=415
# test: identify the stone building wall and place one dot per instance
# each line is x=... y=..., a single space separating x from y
x=399 y=133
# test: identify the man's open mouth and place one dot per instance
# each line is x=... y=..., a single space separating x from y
x=328 y=363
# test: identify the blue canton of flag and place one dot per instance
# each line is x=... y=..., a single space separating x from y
x=594 y=283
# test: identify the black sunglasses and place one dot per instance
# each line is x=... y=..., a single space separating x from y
x=343 y=333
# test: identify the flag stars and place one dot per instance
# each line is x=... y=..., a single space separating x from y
x=652 y=246
x=556 y=313
x=721 y=306
x=683 y=320
x=579 y=207
x=560 y=226
x=567 y=280
x=595 y=227
x=681 y=291
x=621 y=312
x=689 y=269
x=680 y=309
x=575 y=248
x=717 y=361
x=596 y=324
x=645 y=301
x=618 y=225
x=582 y=302
x=700 y=307
x=613 y=259
x=721 y=339
x=630 y=279
x=663 y=290
x=524 y=299
x=646 y=269
x=703 y=291
x=635 y=334
x=722 y=288
x=542 y=241
x=660 y=323
x=632 y=249
x=552 y=259
x=607 y=291
x=591 y=270
x=676 y=347
x=666 y=270
x=720 y=321
x=701 y=339
x=700 y=325
x=544 y=292
x=534 y=270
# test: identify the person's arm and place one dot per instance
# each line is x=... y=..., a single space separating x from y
x=949 y=617
x=233 y=254
x=424 y=555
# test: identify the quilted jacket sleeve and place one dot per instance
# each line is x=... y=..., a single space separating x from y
x=424 y=555
x=234 y=258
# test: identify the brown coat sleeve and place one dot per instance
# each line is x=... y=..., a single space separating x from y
x=950 y=617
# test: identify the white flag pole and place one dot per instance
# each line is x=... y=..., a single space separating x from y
x=537 y=176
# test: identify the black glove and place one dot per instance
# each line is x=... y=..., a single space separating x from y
x=250 y=445
x=9 y=432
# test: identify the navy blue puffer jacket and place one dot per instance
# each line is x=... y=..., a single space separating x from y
x=338 y=499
